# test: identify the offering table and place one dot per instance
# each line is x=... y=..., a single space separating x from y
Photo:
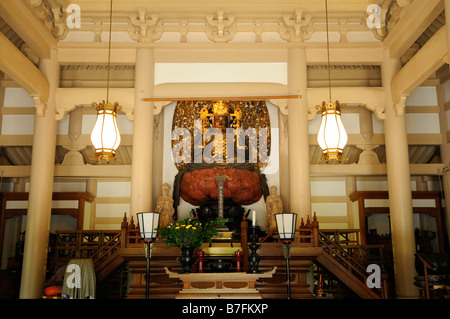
x=227 y=285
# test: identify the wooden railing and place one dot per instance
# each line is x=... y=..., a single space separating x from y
x=339 y=254
x=307 y=235
x=95 y=244
x=99 y=244
x=107 y=250
x=81 y=243
x=334 y=250
x=130 y=234
x=433 y=289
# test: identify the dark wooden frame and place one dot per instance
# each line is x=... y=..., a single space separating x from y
x=365 y=212
x=77 y=213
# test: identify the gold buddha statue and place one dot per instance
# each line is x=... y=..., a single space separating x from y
x=221 y=116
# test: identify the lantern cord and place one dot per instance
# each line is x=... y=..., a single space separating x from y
x=109 y=52
x=328 y=49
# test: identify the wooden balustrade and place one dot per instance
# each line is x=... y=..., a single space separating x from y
x=339 y=254
x=107 y=250
x=100 y=245
x=80 y=243
x=308 y=234
x=130 y=234
x=95 y=244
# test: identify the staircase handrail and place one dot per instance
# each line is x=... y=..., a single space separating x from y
x=106 y=249
x=341 y=256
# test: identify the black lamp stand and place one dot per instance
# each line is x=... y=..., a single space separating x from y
x=286 y=249
x=148 y=253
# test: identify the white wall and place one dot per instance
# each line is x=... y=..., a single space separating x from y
x=220 y=72
x=17 y=124
x=417 y=123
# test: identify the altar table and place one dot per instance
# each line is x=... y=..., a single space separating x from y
x=227 y=285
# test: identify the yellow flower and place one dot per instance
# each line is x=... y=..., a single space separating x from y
x=188 y=226
x=193 y=227
x=178 y=227
x=183 y=225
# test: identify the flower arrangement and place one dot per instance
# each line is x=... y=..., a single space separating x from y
x=190 y=232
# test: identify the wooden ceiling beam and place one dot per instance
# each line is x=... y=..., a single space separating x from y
x=371 y=170
x=124 y=171
x=16 y=65
x=424 y=64
x=125 y=53
x=415 y=20
x=20 y=16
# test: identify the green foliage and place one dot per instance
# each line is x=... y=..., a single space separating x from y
x=190 y=232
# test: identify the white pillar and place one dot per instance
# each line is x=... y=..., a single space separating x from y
x=91 y=188
x=353 y=216
x=447 y=19
x=142 y=166
x=283 y=160
x=41 y=189
x=158 y=156
x=399 y=184
x=445 y=150
x=298 y=138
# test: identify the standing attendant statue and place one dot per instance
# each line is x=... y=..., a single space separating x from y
x=274 y=205
x=164 y=206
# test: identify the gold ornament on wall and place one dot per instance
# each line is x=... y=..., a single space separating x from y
x=196 y=117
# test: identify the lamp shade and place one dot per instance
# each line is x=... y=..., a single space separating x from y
x=148 y=224
x=105 y=136
x=332 y=136
x=286 y=223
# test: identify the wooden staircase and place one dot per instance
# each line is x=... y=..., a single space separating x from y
x=106 y=259
x=336 y=260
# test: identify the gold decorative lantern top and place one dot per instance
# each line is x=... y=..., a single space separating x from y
x=107 y=107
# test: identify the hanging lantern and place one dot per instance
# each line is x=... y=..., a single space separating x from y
x=332 y=136
x=105 y=136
